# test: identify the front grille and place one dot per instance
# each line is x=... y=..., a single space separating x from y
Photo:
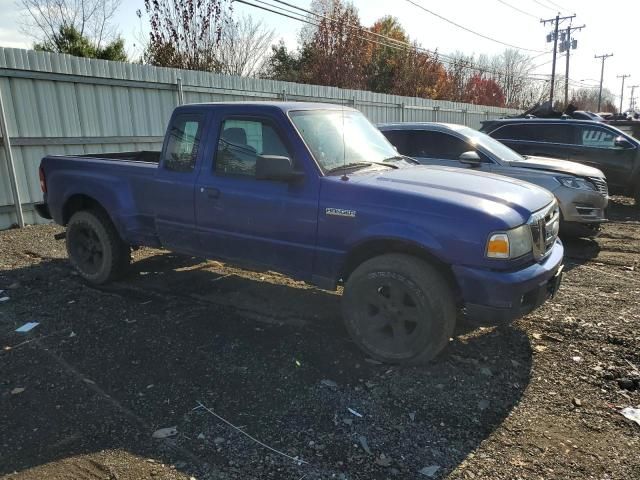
x=544 y=225
x=601 y=185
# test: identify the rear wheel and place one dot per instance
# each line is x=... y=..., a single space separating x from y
x=399 y=309
x=95 y=248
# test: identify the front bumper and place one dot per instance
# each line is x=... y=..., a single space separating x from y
x=582 y=206
x=490 y=295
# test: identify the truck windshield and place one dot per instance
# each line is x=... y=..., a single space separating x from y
x=491 y=145
x=338 y=138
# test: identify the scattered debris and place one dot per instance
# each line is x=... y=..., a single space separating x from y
x=430 y=471
x=363 y=443
x=17 y=390
x=537 y=336
x=540 y=348
x=486 y=371
x=165 y=432
x=577 y=402
x=383 y=460
x=632 y=414
x=89 y=381
x=329 y=383
x=483 y=404
x=372 y=361
x=577 y=359
x=298 y=364
x=347 y=421
x=4 y=299
x=412 y=416
x=14 y=285
x=27 y=327
x=218 y=440
x=626 y=384
x=295 y=459
x=72 y=334
x=200 y=436
x=351 y=410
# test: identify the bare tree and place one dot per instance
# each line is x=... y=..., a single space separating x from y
x=244 y=47
x=93 y=19
x=186 y=33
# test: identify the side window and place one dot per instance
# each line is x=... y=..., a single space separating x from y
x=399 y=139
x=183 y=142
x=551 y=133
x=511 y=132
x=592 y=136
x=242 y=141
x=437 y=145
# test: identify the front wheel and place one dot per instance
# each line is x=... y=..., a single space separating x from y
x=399 y=309
x=95 y=248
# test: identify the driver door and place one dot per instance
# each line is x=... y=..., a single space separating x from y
x=262 y=222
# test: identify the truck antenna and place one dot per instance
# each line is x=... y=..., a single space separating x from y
x=344 y=177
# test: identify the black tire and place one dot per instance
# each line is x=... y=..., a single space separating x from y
x=95 y=248
x=399 y=309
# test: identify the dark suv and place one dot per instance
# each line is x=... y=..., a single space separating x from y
x=592 y=143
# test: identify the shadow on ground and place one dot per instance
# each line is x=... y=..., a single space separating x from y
x=107 y=367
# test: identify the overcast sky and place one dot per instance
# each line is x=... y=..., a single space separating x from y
x=612 y=26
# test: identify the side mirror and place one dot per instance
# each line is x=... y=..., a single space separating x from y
x=622 y=142
x=470 y=158
x=274 y=167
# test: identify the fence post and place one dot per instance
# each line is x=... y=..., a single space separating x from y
x=13 y=179
x=402 y=107
x=464 y=117
x=486 y=114
x=180 y=91
x=435 y=113
x=284 y=95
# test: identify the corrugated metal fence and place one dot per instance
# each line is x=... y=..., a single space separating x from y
x=59 y=104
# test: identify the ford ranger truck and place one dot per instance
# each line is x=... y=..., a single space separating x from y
x=316 y=192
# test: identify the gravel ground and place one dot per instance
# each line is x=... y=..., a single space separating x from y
x=195 y=344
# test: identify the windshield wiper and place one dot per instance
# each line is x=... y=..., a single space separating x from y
x=349 y=166
x=401 y=157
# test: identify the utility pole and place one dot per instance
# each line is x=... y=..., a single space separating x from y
x=567 y=45
x=622 y=91
x=603 y=57
x=554 y=37
x=632 y=102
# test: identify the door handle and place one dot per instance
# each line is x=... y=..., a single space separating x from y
x=211 y=192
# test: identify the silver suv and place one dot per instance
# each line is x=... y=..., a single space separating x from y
x=581 y=191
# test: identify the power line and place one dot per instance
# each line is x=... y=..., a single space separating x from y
x=396 y=44
x=468 y=29
x=543 y=5
x=556 y=5
x=517 y=9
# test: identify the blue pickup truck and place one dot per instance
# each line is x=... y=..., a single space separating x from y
x=317 y=192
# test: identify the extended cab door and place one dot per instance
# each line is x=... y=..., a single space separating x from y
x=264 y=222
x=175 y=181
x=595 y=146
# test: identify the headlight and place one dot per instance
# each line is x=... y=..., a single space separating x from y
x=576 y=182
x=510 y=244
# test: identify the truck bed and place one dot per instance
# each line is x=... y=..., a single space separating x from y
x=146 y=156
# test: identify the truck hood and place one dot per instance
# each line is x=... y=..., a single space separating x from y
x=495 y=194
x=559 y=166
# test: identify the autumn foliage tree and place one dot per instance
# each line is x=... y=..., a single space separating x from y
x=484 y=91
x=337 y=47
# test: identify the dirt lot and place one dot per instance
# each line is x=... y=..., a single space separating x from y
x=107 y=367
